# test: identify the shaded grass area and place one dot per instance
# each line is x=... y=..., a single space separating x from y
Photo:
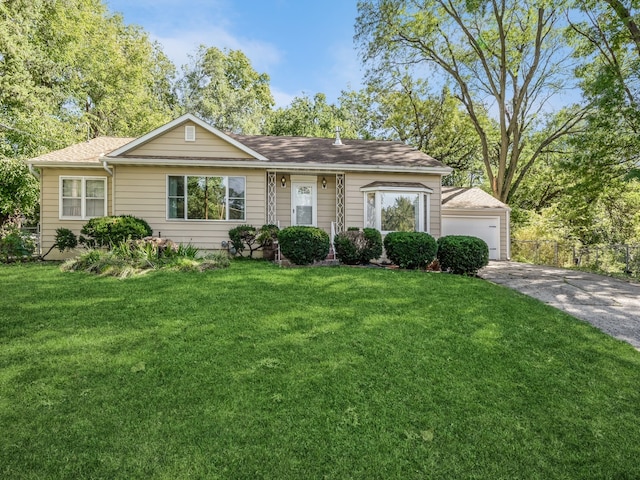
x=263 y=372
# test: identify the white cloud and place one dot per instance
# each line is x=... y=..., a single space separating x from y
x=263 y=56
x=283 y=99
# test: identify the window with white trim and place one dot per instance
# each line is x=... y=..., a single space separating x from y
x=83 y=197
x=397 y=209
x=205 y=198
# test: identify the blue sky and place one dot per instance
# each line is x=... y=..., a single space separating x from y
x=304 y=46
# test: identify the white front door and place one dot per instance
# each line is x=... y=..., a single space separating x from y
x=304 y=201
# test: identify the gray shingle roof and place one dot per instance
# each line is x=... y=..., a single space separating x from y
x=459 y=197
x=323 y=151
x=277 y=149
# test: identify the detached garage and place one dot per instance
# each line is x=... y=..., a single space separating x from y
x=473 y=212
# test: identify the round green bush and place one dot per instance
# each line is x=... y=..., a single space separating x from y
x=109 y=231
x=462 y=255
x=304 y=245
x=355 y=247
x=410 y=249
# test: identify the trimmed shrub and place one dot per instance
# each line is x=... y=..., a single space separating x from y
x=65 y=240
x=15 y=245
x=410 y=249
x=304 y=245
x=355 y=247
x=462 y=254
x=109 y=231
x=248 y=237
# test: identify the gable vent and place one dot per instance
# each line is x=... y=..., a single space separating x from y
x=189 y=133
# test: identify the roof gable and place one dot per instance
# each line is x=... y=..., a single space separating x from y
x=461 y=197
x=170 y=141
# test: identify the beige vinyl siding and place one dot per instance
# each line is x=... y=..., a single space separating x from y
x=142 y=192
x=326 y=200
x=50 y=205
x=487 y=212
x=354 y=198
x=283 y=201
x=172 y=144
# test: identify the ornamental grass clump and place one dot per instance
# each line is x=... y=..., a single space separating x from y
x=304 y=245
x=410 y=250
x=462 y=255
x=355 y=247
x=136 y=257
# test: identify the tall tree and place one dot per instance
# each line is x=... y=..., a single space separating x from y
x=223 y=88
x=607 y=47
x=18 y=190
x=70 y=69
x=435 y=123
x=313 y=116
x=505 y=57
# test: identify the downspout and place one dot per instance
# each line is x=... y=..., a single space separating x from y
x=33 y=171
x=105 y=165
x=36 y=174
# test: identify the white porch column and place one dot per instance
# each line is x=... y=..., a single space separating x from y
x=271 y=198
x=339 y=202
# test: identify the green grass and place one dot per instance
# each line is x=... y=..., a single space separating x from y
x=261 y=372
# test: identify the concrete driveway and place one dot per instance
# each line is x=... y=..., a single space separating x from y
x=609 y=304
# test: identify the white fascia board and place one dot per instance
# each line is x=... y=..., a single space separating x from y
x=273 y=166
x=383 y=188
x=66 y=164
x=455 y=211
x=187 y=117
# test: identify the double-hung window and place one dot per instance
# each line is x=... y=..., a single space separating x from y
x=83 y=197
x=397 y=207
x=205 y=198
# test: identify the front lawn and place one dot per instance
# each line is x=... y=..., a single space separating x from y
x=262 y=372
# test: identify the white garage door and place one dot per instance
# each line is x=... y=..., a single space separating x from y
x=486 y=228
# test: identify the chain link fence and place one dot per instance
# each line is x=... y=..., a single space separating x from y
x=609 y=259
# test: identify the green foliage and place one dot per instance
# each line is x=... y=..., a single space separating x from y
x=109 y=231
x=18 y=188
x=58 y=64
x=14 y=245
x=462 y=255
x=135 y=257
x=432 y=122
x=248 y=237
x=355 y=247
x=304 y=245
x=390 y=374
x=312 y=117
x=410 y=249
x=65 y=240
x=221 y=87
x=512 y=56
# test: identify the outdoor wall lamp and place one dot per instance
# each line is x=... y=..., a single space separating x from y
x=324 y=183
x=283 y=182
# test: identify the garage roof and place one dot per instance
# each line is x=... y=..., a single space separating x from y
x=460 y=197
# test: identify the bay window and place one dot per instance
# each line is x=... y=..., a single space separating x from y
x=397 y=207
x=205 y=198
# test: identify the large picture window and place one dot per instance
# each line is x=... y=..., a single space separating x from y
x=83 y=197
x=206 y=198
x=390 y=208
